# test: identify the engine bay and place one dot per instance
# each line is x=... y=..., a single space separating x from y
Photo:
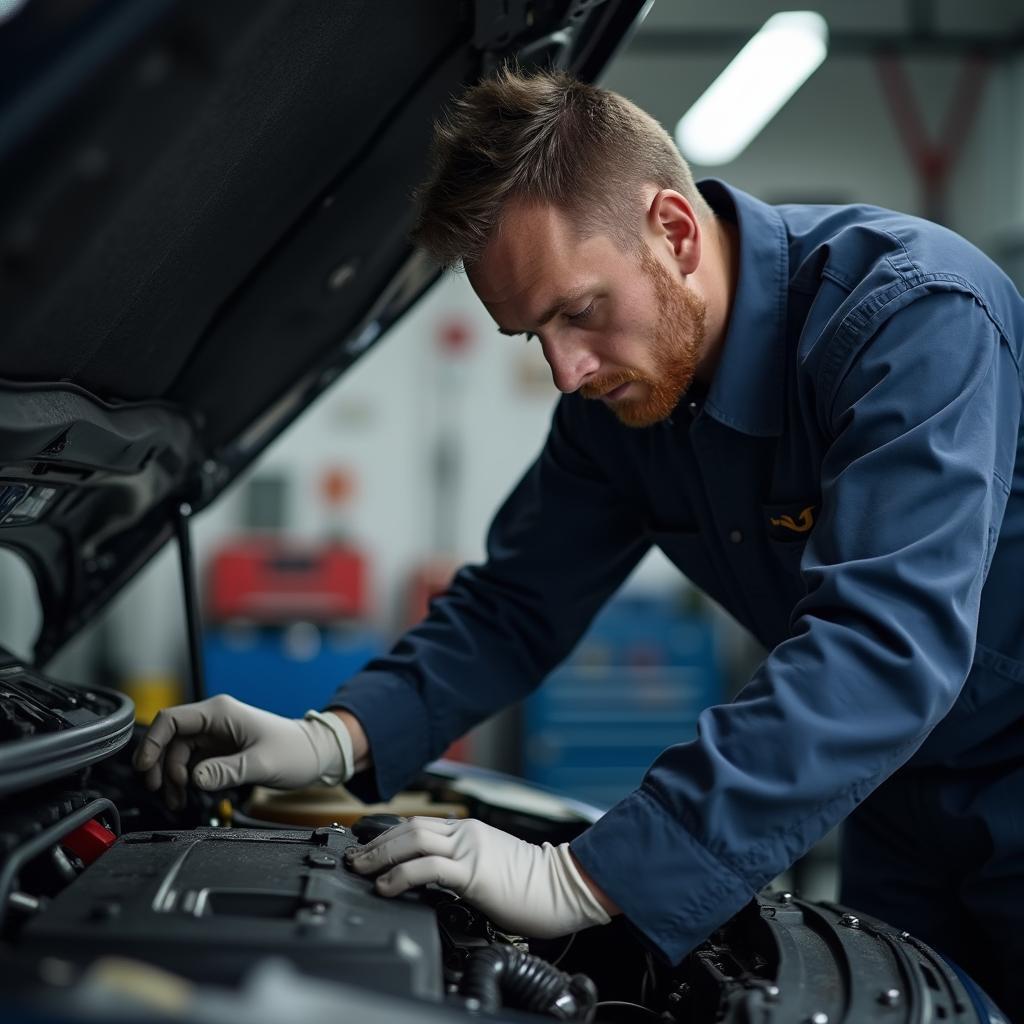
x=113 y=907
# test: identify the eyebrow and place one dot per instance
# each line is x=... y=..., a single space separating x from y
x=553 y=310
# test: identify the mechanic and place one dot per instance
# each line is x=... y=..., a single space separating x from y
x=815 y=412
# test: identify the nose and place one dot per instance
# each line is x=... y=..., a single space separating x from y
x=571 y=362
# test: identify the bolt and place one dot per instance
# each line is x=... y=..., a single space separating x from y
x=772 y=993
x=675 y=997
x=904 y=936
x=849 y=921
x=319 y=908
x=785 y=897
x=472 y=1005
x=819 y=1018
x=890 y=997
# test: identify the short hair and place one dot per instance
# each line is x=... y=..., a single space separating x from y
x=543 y=137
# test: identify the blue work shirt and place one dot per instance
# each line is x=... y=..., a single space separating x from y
x=850 y=488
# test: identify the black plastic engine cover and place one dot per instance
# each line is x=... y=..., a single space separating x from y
x=209 y=903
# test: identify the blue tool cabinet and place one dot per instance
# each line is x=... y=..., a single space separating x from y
x=633 y=686
x=261 y=666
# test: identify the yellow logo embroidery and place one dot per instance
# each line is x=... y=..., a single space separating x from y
x=805 y=523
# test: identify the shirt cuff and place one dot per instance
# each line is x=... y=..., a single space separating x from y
x=665 y=882
x=395 y=721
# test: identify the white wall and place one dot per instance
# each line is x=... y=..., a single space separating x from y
x=987 y=194
x=379 y=422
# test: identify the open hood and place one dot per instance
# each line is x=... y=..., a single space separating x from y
x=204 y=211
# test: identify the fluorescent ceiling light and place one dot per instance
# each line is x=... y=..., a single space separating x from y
x=753 y=88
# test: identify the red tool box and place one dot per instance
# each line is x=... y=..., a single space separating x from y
x=268 y=580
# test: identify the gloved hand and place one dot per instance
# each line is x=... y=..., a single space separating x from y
x=524 y=888
x=241 y=744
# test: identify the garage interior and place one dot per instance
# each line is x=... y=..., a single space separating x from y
x=333 y=541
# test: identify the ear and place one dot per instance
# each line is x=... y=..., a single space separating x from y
x=674 y=225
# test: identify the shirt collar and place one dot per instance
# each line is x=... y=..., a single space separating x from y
x=747 y=390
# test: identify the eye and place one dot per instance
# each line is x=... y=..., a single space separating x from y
x=582 y=314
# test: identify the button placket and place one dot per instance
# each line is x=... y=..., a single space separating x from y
x=735 y=543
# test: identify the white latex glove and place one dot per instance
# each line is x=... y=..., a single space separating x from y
x=523 y=888
x=241 y=744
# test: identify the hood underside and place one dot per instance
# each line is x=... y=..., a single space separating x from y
x=203 y=221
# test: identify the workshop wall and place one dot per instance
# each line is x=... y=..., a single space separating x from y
x=837 y=140
x=987 y=192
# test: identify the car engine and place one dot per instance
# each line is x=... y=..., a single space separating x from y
x=112 y=908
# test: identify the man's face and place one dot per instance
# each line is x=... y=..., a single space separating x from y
x=615 y=326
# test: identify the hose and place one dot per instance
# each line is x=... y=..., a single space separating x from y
x=505 y=976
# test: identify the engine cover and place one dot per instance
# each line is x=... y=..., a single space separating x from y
x=209 y=903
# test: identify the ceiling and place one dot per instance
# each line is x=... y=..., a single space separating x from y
x=920 y=26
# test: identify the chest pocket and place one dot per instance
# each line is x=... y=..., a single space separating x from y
x=788 y=527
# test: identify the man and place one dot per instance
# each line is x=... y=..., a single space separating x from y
x=816 y=413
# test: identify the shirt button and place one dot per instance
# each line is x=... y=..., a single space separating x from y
x=694 y=408
x=736 y=537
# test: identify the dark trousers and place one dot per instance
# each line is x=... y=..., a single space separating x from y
x=939 y=852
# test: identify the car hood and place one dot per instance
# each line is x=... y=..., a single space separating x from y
x=203 y=222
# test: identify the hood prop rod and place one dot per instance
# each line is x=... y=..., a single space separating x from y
x=188 y=586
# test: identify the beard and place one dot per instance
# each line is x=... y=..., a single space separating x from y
x=676 y=345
